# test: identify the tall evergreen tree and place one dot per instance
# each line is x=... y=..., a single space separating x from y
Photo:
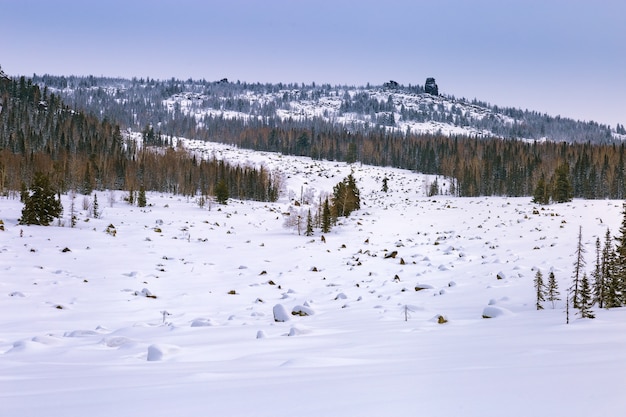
x=541 y=195
x=326 y=217
x=620 y=258
x=579 y=265
x=598 y=278
x=96 y=209
x=585 y=299
x=553 y=289
x=563 y=187
x=221 y=192
x=539 y=290
x=42 y=204
x=346 y=197
x=611 y=291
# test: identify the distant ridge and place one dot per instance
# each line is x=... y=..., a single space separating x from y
x=389 y=106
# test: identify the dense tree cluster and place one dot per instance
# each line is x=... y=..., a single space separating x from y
x=585 y=162
x=345 y=199
x=139 y=102
x=604 y=287
x=76 y=151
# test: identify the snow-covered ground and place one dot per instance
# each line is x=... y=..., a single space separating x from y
x=170 y=311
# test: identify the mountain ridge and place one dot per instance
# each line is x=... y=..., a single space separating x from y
x=389 y=106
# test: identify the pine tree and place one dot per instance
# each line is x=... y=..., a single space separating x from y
x=42 y=205
x=326 y=218
x=96 y=213
x=385 y=185
x=346 y=197
x=539 y=289
x=579 y=264
x=221 y=192
x=611 y=292
x=541 y=195
x=598 y=278
x=553 y=289
x=620 y=258
x=563 y=186
x=309 y=224
x=585 y=299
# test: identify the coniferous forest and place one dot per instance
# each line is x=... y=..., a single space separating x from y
x=80 y=152
x=84 y=152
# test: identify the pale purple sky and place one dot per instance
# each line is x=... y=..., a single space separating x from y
x=561 y=57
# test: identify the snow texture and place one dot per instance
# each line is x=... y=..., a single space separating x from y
x=142 y=323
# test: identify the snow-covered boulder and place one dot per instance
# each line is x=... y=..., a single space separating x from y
x=302 y=311
x=280 y=313
x=493 y=311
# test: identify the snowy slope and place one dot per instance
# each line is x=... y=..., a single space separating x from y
x=174 y=313
x=301 y=105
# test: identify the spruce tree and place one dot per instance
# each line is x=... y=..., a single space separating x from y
x=598 y=278
x=539 y=289
x=221 y=192
x=346 y=197
x=42 y=204
x=620 y=258
x=96 y=212
x=553 y=289
x=585 y=299
x=579 y=265
x=611 y=293
x=563 y=186
x=541 y=195
x=326 y=218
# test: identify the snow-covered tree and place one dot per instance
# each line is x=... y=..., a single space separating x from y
x=585 y=299
x=553 y=289
x=579 y=265
x=42 y=204
x=539 y=290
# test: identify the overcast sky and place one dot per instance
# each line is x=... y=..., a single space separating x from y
x=561 y=57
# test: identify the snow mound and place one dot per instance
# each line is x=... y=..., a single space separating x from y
x=302 y=311
x=159 y=352
x=493 y=311
x=280 y=313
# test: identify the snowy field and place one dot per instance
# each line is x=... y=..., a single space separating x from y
x=171 y=312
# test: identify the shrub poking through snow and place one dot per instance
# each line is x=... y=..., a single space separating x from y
x=110 y=230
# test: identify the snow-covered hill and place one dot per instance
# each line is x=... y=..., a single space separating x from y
x=403 y=109
x=170 y=310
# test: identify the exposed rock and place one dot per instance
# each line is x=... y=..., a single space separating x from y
x=431 y=86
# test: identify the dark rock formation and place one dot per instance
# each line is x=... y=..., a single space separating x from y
x=431 y=86
x=391 y=84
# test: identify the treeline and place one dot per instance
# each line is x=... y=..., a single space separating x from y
x=474 y=167
x=77 y=151
x=139 y=102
